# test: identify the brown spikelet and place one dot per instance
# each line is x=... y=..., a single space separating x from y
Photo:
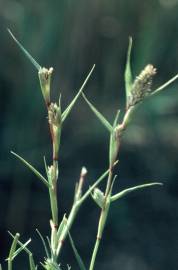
x=141 y=86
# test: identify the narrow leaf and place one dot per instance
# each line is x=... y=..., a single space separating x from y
x=13 y=246
x=0 y=267
x=128 y=72
x=98 y=114
x=49 y=244
x=128 y=190
x=20 y=244
x=61 y=226
x=32 y=60
x=21 y=248
x=70 y=106
x=44 y=244
x=37 y=173
x=160 y=88
x=77 y=256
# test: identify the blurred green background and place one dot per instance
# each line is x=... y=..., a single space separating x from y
x=142 y=229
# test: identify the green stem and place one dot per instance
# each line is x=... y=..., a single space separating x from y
x=55 y=165
x=104 y=211
x=12 y=251
x=101 y=225
x=68 y=225
x=54 y=206
x=9 y=264
x=52 y=171
x=95 y=251
x=102 y=220
x=53 y=193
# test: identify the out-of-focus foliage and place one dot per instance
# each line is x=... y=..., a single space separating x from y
x=71 y=36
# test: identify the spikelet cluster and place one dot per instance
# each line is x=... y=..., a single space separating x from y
x=141 y=86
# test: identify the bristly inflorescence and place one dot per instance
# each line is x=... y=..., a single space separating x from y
x=141 y=86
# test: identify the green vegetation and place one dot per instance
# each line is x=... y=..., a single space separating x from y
x=137 y=90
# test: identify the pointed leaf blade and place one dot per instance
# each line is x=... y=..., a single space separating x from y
x=32 y=60
x=77 y=256
x=37 y=173
x=44 y=244
x=20 y=244
x=70 y=106
x=163 y=86
x=21 y=248
x=129 y=190
x=13 y=247
x=62 y=226
x=128 y=72
x=98 y=114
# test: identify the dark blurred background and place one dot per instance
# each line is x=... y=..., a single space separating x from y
x=142 y=229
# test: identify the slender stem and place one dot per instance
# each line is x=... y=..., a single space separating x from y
x=54 y=206
x=69 y=223
x=52 y=171
x=78 y=201
x=12 y=251
x=55 y=166
x=95 y=251
x=53 y=188
x=104 y=211
x=55 y=132
x=101 y=226
x=9 y=264
x=105 y=208
x=75 y=207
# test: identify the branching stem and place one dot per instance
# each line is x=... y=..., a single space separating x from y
x=105 y=209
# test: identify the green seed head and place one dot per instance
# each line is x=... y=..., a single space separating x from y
x=141 y=86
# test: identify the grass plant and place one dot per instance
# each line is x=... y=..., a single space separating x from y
x=137 y=90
